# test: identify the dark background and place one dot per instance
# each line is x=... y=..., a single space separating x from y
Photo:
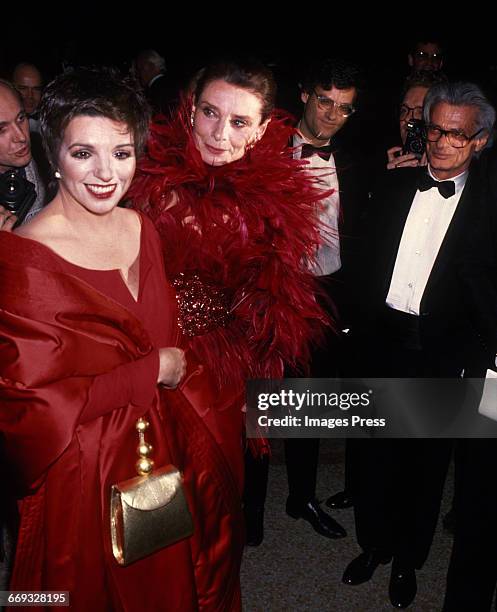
x=189 y=41
x=199 y=33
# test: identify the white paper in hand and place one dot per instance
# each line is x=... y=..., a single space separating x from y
x=488 y=403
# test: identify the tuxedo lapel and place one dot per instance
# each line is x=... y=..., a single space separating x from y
x=399 y=206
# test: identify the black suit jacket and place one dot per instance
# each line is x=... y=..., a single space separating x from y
x=444 y=324
x=163 y=94
x=478 y=266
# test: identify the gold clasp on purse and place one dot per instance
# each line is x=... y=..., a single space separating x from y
x=145 y=464
x=148 y=512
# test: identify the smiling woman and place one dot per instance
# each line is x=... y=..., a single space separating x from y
x=89 y=336
x=95 y=164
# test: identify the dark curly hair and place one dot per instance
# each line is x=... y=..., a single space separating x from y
x=331 y=72
x=94 y=92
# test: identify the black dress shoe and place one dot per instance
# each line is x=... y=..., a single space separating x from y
x=254 y=525
x=403 y=586
x=321 y=522
x=362 y=568
x=340 y=501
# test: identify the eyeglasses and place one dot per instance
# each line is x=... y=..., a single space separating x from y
x=326 y=103
x=423 y=55
x=414 y=112
x=456 y=139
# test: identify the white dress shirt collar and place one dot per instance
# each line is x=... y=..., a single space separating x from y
x=299 y=139
x=459 y=180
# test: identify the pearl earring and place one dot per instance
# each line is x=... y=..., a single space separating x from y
x=57 y=174
x=191 y=118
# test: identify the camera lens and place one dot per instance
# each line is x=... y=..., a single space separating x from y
x=417 y=146
x=10 y=188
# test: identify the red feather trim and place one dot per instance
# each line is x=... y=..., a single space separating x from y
x=250 y=227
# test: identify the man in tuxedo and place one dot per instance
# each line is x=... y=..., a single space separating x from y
x=328 y=93
x=472 y=574
x=413 y=321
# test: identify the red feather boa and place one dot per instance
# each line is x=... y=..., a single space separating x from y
x=251 y=228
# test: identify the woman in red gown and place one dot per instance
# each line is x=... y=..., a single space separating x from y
x=237 y=216
x=88 y=330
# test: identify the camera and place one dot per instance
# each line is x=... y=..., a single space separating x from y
x=416 y=138
x=17 y=194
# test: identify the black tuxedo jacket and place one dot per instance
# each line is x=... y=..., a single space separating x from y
x=445 y=325
x=163 y=94
x=353 y=202
x=478 y=266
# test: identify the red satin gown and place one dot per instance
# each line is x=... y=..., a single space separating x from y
x=79 y=364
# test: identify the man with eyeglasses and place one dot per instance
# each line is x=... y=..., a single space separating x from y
x=411 y=109
x=414 y=322
x=328 y=92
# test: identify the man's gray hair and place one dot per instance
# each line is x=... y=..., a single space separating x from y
x=462 y=94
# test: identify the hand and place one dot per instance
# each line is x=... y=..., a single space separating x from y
x=402 y=161
x=7 y=219
x=172 y=366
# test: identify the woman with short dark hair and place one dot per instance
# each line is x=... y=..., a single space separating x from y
x=89 y=337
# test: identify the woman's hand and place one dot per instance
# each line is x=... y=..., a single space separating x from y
x=397 y=160
x=7 y=219
x=172 y=366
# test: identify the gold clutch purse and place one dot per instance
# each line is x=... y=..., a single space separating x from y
x=148 y=512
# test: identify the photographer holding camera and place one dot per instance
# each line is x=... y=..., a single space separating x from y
x=22 y=193
x=412 y=152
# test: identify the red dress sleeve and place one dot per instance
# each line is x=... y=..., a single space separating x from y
x=132 y=383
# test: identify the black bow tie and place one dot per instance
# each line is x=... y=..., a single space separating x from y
x=323 y=152
x=446 y=188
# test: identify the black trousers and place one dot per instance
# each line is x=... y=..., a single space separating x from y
x=398 y=489
x=398 y=483
x=302 y=454
x=472 y=574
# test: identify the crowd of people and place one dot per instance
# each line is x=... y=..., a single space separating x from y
x=166 y=239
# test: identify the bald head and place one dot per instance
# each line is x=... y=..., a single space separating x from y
x=29 y=83
x=148 y=64
x=15 y=149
